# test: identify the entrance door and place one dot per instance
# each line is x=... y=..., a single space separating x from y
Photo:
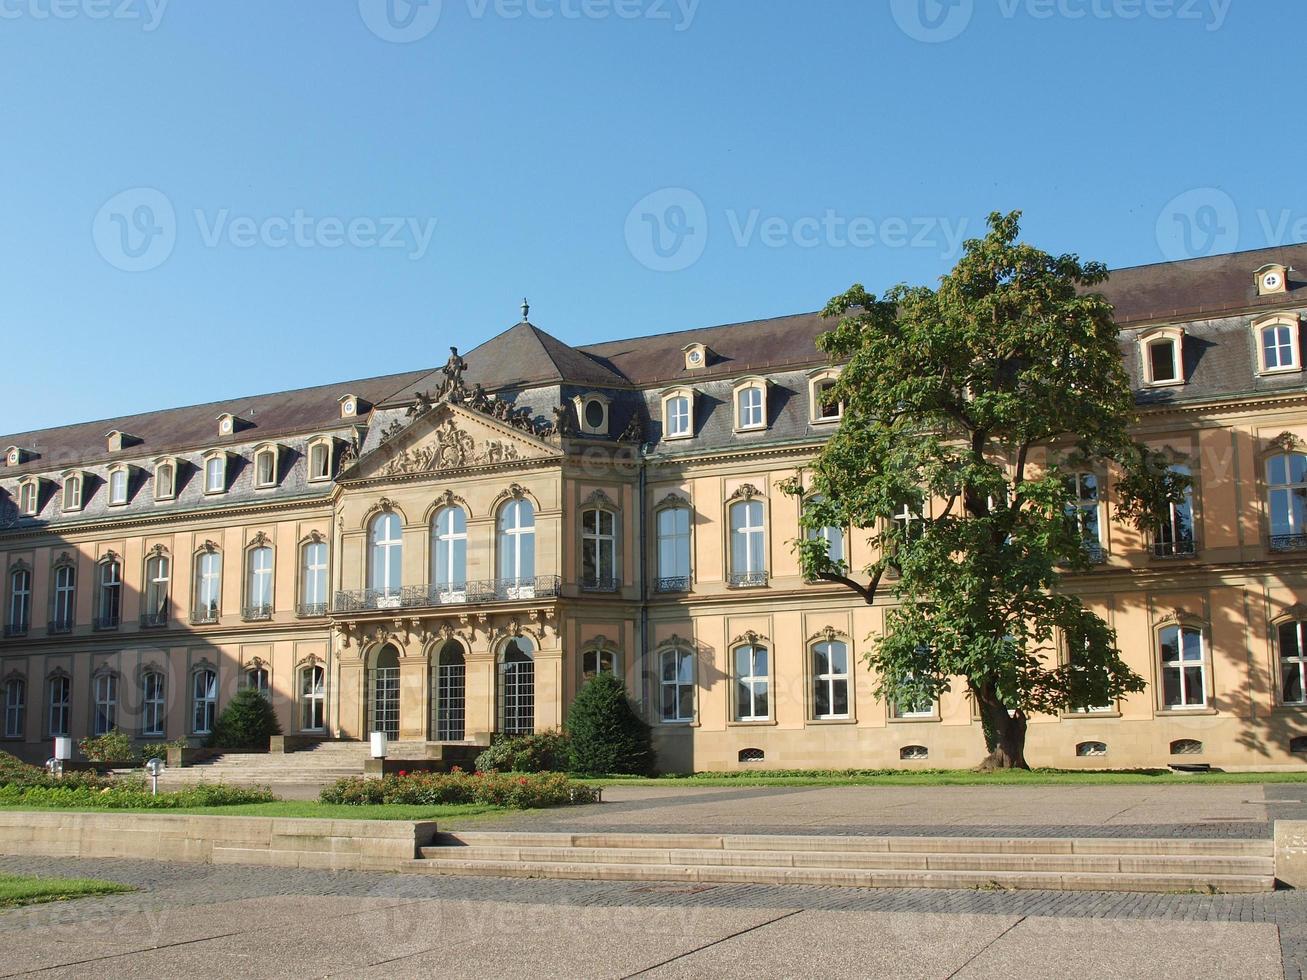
x=383 y=705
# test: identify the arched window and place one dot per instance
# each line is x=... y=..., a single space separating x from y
x=449 y=685
x=833 y=536
x=20 y=602
x=165 y=481
x=1293 y=662
x=1184 y=667
x=751 y=406
x=208 y=587
x=29 y=495
x=673 y=549
x=678 y=414
x=830 y=680
x=319 y=461
x=386 y=562
x=752 y=683
x=313 y=698
x=517 y=687
x=63 y=611
x=258 y=584
x=119 y=480
x=748 y=558
x=313 y=579
x=1286 y=478
x=449 y=553
x=1175 y=535
x=153 y=703
x=257 y=677
x=599 y=660
x=158 y=579
x=109 y=595
x=105 y=718
x=383 y=686
x=676 y=673
x=1163 y=364
x=1277 y=344
x=517 y=552
x=73 y=492
x=215 y=474
x=60 y=691
x=598 y=550
x=15 y=707
x=204 y=700
x=265 y=468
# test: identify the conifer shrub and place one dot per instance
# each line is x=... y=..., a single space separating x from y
x=605 y=733
x=248 y=722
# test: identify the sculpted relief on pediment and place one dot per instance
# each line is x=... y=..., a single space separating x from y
x=456 y=442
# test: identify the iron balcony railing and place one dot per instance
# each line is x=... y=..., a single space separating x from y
x=56 y=626
x=16 y=629
x=108 y=621
x=447 y=594
x=1288 y=542
x=154 y=620
x=308 y=610
x=1173 y=549
x=603 y=584
x=256 y=614
x=747 y=580
x=204 y=615
x=672 y=583
x=1094 y=552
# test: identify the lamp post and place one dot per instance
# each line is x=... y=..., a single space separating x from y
x=154 y=767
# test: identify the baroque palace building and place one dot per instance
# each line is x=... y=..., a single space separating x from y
x=442 y=555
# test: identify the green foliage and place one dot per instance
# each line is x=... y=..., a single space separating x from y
x=18 y=774
x=519 y=791
x=970 y=405
x=128 y=795
x=248 y=722
x=541 y=752
x=114 y=746
x=20 y=890
x=605 y=735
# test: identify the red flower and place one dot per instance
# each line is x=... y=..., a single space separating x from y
x=522 y=781
x=403 y=772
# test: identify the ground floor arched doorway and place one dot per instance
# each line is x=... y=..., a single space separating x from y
x=517 y=674
x=383 y=692
x=449 y=694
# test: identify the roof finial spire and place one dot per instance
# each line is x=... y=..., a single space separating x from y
x=526 y=309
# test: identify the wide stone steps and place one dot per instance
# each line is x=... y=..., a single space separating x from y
x=1096 y=864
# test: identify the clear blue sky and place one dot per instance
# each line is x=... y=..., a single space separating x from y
x=528 y=131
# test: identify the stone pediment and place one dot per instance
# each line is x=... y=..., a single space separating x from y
x=450 y=438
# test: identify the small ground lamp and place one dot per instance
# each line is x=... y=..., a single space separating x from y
x=154 y=767
x=378 y=745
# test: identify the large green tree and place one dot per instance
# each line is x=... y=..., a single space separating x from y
x=966 y=410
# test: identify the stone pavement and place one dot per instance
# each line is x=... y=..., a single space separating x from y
x=1134 y=810
x=206 y=921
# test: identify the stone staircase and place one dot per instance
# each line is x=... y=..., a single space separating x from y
x=1063 y=864
x=317 y=765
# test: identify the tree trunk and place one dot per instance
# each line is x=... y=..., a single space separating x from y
x=1005 y=735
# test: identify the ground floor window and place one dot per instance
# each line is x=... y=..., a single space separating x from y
x=313 y=699
x=451 y=694
x=105 y=719
x=152 y=703
x=1293 y=662
x=830 y=680
x=1184 y=667
x=204 y=701
x=384 y=700
x=752 y=684
x=61 y=696
x=676 y=669
x=598 y=661
x=15 y=706
x=257 y=678
x=517 y=688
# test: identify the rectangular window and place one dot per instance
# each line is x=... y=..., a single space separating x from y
x=204 y=701
x=215 y=475
x=749 y=408
x=118 y=487
x=314 y=576
x=598 y=550
x=673 y=549
x=73 y=493
x=1277 y=347
x=61 y=693
x=751 y=684
x=164 y=482
x=1184 y=667
x=830 y=680
x=1293 y=663
x=320 y=462
x=15 y=705
x=152 y=717
x=1175 y=535
x=1162 y=361
x=678 y=417
x=677 y=686
x=266 y=469
x=747 y=544
x=106 y=704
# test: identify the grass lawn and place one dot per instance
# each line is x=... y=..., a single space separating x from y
x=16 y=890
x=954 y=777
x=308 y=808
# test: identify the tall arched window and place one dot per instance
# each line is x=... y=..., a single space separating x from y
x=313 y=698
x=313 y=579
x=20 y=602
x=1184 y=667
x=15 y=707
x=676 y=685
x=449 y=685
x=109 y=595
x=386 y=562
x=158 y=579
x=383 y=689
x=517 y=552
x=105 y=718
x=598 y=550
x=517 y=687
x=752 y=683
x=748 y=561
x=63 y=611
x=833 y=536
x=830 y=680
x=258 y=584
x=59 y=700
x=673 y=549
x=1286 y=478
x=153 y=701
x=449 y=554
x=204 y=700
x=208 y=587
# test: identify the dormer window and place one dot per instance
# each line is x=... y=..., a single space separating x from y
x=165 y=478
x=1271 y=279
x=266 y=459
x=320 y=460
x=215 y=473
x=1163 y=353
x=17 y=456
x=823 y=405
x=351 y=406
x=118 y=441
x=119 y=486
x=1277 y=344
x=751 y=404
x=72 y=491
x=29 y=497
x=592 y=411
x=229 y=424
x=678 y=413
x=696 y=356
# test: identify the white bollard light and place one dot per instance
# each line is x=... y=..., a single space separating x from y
x=63 y=748
x=378 y=745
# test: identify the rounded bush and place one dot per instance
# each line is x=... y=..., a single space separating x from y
x=248 y=722
x=605 y=734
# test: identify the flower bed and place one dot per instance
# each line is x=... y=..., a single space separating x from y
x=518 y=790
x=130 y=795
